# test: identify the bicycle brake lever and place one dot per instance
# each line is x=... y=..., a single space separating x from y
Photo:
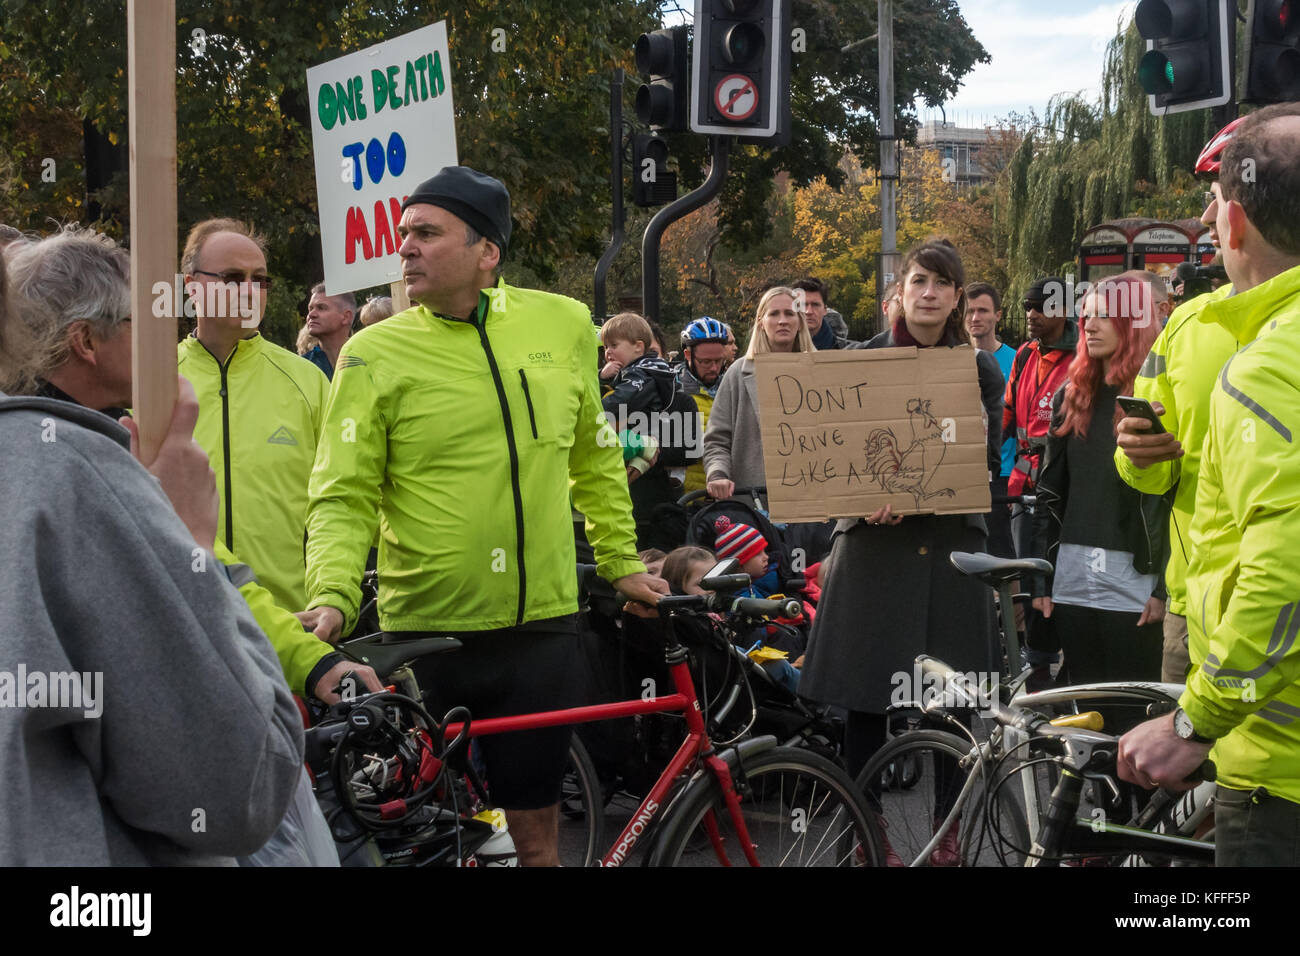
x=1110 y=784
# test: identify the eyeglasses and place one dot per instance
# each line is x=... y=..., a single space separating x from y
x=263 y=282
x=1034 y=305
x=1210 y=199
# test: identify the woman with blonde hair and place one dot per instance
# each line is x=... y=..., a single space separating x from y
x=306 y=341
x=733 y=445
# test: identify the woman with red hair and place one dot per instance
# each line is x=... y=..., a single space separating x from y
x=1107 y=541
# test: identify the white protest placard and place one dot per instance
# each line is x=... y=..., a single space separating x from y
x=381 y=124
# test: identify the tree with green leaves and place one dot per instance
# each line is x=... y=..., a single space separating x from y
x=530 y=85
x=1088 y=163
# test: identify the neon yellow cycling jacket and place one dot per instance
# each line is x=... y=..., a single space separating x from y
x=1180 y=372
x=299 y=651
x=464 y=440
x=259 y=415
x=1243 y=585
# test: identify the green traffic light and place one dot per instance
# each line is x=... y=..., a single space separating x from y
x=1156 y=73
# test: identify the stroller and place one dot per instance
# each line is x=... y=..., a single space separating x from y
x=792 y=547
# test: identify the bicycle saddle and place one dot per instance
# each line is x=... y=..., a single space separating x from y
x=387 y=656
x=993 y=571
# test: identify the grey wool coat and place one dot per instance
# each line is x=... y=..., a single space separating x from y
x=892 y=594
x=733 y=446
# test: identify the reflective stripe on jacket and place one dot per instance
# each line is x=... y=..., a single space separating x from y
x=259 y=416
x=1243 y=585
x=463 y=440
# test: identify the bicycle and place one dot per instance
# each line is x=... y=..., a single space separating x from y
x=963 y=787
x=752 y=802
x=419 y=843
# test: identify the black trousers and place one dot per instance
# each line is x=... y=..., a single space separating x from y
x=1000 y=544
x=1107 y=645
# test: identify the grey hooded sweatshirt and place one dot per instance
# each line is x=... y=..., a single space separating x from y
x=179 y=743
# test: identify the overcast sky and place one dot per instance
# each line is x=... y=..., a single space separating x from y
x=1038 y=48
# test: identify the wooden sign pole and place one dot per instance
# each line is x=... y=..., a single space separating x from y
x=398 y=291
x=151 y=65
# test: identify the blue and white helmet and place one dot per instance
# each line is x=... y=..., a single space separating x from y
x=704 y=329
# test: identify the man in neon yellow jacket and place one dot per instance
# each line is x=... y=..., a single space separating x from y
x=1177 y=378
x=260 y=407
x=1243 y=583
x=460 y=426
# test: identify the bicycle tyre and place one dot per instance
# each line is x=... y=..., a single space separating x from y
x=907 y=816
x=785 y=790
x=582 y=800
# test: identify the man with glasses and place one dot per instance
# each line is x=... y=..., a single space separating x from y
x=1230 y=400
x=260 y=406
x=1178 y=378
x=704 y=359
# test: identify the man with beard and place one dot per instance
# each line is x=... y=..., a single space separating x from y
x=704 y=359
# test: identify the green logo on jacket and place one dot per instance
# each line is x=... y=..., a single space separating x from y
x=281 y=436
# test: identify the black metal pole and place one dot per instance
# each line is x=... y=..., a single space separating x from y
x=654 y=230
x=616 y=180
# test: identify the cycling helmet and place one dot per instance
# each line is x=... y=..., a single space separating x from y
x=704 y=329
x=1211 y=157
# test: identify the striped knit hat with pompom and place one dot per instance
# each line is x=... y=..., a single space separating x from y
x=737 y=540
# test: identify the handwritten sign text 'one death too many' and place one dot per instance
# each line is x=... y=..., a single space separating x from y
x=381 y=124
x=846 y=433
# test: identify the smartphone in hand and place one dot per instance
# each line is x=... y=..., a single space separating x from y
x=1141 y=408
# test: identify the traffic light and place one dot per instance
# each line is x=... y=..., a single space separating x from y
x=1273 y=75
x=661 y=56
x=1188 y=63
x=741 y=69
x=652 y=183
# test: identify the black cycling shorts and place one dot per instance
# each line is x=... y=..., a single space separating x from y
x=502 y=673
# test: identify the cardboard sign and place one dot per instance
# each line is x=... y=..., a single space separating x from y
x=381 y=124
x=847 y=432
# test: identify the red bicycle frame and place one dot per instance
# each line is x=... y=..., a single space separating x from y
x=696 y=744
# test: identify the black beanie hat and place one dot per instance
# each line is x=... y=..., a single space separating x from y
x=478 y=199
x=1047 y=288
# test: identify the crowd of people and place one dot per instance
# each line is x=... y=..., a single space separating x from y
x=453 y=443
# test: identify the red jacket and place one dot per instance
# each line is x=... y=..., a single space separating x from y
x=1036 y=373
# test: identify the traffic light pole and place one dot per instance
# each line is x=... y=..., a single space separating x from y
x=719 y=147
x=616 y=180
x=1225 y=114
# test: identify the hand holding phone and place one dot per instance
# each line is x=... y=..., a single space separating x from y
x=1141 y=408
x=1144 y=446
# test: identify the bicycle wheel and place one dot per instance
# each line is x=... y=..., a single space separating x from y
x=798 y=807
x=582 y=810
x=940 y=778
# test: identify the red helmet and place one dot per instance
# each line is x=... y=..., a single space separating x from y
x=1210 y=158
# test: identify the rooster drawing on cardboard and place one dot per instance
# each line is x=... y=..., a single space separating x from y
x=909 y=470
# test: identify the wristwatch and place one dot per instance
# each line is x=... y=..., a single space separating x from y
x=1184 y=729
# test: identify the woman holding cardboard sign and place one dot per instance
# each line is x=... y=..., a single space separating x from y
x=733 y=445
x=891 y=593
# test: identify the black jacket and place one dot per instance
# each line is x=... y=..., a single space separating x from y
x=1128 y=520
x=649 y=387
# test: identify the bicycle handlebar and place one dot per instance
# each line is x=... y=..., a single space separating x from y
x=722 y=604
x=1034 y=724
